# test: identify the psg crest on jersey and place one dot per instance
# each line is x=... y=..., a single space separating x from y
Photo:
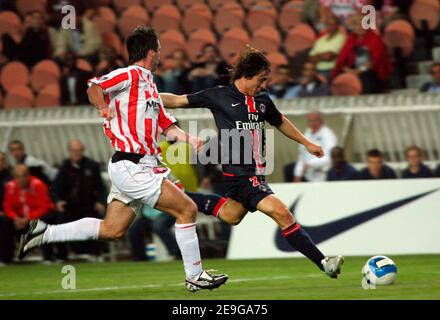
x=262 y=108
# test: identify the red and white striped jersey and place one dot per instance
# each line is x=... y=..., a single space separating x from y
x=139 y=112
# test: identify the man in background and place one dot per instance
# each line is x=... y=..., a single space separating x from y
x=282 y=86
x=37 y=167
x=376 y=169
x=416 y=168
x=26 y=198
x=309 y=167
x=340 y=169
x=433 y=86
x=79 y=192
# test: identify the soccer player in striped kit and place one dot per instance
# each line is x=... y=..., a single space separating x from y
x=241 y=109
x=134 y=112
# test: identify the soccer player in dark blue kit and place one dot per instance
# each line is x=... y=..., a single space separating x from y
x=241 y=109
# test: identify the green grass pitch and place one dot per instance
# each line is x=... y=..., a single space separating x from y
x=418 y=278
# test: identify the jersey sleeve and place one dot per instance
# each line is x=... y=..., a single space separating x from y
x=165 y=119
x=273 y=115
x=203 y=99
x=116 y=80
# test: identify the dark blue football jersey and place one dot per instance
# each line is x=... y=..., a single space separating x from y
x=240 y=120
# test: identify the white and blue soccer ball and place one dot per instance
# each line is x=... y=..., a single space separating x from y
x=379 y=271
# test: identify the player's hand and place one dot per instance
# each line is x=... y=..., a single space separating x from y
x=315 y=150
x=195 y=142
x=107 y=113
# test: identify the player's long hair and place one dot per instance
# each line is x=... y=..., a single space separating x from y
x=250 y=63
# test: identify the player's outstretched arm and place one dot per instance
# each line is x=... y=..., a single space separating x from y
x=291 y=131
x=174 y=133
x=173 y=101
x=96 y=97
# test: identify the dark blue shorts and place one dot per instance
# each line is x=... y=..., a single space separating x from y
x=248 y=190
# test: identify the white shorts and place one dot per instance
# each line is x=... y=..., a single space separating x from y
x=136 y=184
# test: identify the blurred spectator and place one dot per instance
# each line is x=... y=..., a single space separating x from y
x=79 y=192
x=341 y=169
x=108 y=61
x=54 y=9
x=73 y=82
x=26 y=198
x=326 y=49
x=312 y=84
x=309 y=167
x=38 y=168
x=342 y=9
x=180 y=164
x=434 y=86
x=84 y=40
x=437 y=171
x=416 y=167
x=365 y=55
x=152 y=221
x=282 y=86
x=5 y=223
x=310 y=12
x=34 y=45
x=376 y=169
x=175 y=79
x=211 y=70
x=5 y=175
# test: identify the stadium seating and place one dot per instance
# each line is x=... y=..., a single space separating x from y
x=290 y=15
x=14 y=74
x=48 y=96
x=9 y=22
x=19 y=96
x=346 y=84
x=273 y=26
x=262 y=13
x=153 y=5
x=44 y=73
x=167 y=17
x=25 y=6
x=229 y=15
x=425 y=10
x=298 y=39
x=196 y=17
x=197 y=40
x=399 y=34
x=105 y=20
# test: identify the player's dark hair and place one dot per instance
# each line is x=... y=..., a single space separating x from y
x=140 y=42
x=250 y=63
x=374 y=153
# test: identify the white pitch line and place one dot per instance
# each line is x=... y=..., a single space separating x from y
x=148 y=286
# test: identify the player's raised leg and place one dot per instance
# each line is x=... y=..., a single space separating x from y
x=173 y=201
x=118 y=218
x=297 y=236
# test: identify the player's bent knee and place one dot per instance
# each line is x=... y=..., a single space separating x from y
x=234 y=221
x=110 y=234
x=188 y=211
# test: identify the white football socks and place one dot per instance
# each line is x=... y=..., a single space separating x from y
x=186 y=237
x=80 y=230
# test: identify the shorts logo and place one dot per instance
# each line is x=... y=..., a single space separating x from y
x=255 y=182
x=262 y=188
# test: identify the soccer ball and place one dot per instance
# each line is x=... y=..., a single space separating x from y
x=379 y=270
